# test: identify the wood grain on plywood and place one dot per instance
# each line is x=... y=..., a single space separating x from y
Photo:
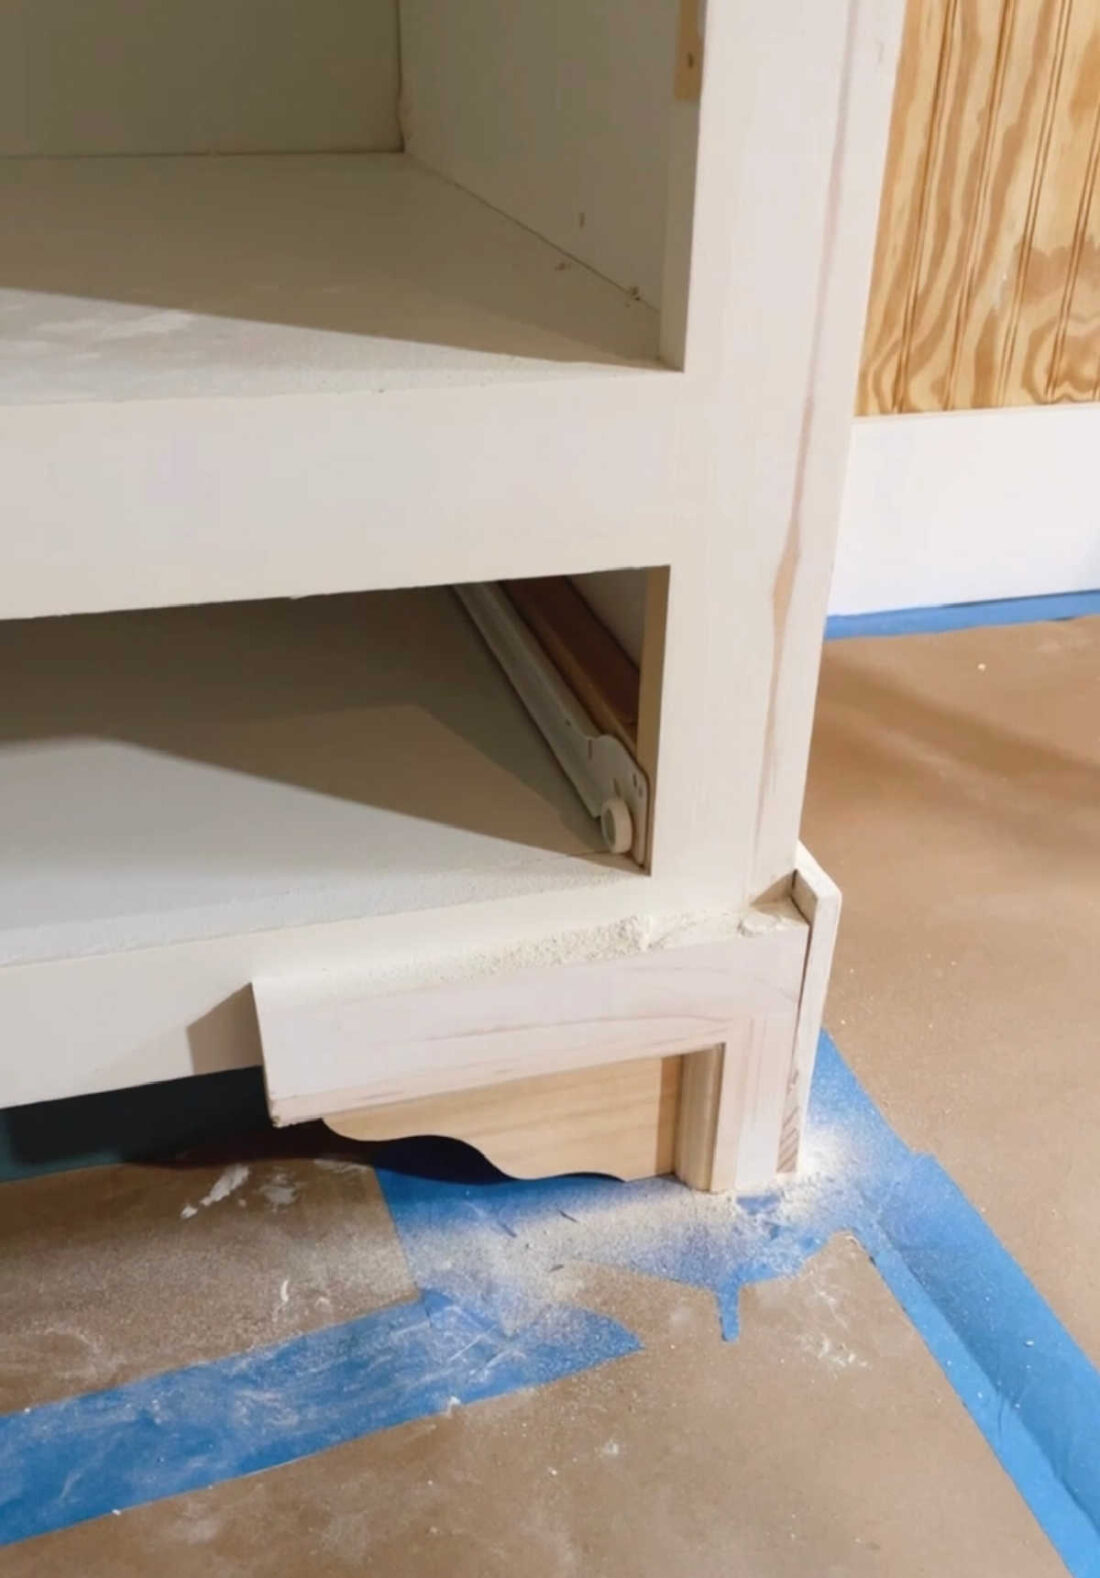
x=618 y=1119
x=986 y=286
x=594 y=665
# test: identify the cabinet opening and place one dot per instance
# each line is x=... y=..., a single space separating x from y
x=179 y=773
x=220 y=197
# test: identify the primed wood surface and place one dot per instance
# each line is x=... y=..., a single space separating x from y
x=987 y=276
x=558 y=114
x=132 y=279
x=618 y=598
x=197 y=76
x=190 y=772
x=619 y=1119
x=801 y=267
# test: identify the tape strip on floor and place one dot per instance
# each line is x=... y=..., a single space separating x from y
x=963 y=616
x=494 y=1316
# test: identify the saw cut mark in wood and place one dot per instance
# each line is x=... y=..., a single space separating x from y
x=619 y=1119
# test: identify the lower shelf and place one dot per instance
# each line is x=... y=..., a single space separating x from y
x=189 y=773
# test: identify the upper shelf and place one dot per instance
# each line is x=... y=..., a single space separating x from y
x=170 y=277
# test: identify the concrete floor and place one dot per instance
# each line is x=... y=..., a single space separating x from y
x=954 y=795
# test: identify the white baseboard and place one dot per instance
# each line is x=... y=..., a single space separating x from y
x=968 y=506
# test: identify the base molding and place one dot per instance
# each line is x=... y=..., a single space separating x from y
x=728 y=1116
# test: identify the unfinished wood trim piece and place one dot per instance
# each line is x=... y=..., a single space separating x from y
x=618 y=1119
x=697 y=1120
x=649 y=989
x=688 y=81
x=817 y=898
x=741 y=1116
x=584 y=651
x=732 y=1107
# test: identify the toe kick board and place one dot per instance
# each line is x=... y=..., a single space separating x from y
x=619 y=1119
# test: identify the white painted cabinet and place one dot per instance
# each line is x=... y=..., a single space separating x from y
x=309 y=314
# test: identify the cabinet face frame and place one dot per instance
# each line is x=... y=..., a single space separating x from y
x=728 y=472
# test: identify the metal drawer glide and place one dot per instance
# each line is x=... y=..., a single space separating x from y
x=611 y=785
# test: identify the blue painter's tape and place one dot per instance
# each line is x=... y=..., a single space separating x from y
x=963 y=616
x=1066 y=1525
x=457 y=1237
x=1028 y=1386
x=68 y=1461
x=494 y=1321
x=1031 y=1390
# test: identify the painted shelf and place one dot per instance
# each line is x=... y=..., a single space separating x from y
x=128 y=279
x=194 y=772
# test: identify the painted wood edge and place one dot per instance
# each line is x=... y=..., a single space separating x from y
x=818 y=899
x=866 y=35
x=606 y=456
x=618 y=1119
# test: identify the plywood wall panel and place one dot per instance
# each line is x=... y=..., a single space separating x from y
x=986 y=288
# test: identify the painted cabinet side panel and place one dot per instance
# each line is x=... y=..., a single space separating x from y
x=197 y=76
x=557 y=114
